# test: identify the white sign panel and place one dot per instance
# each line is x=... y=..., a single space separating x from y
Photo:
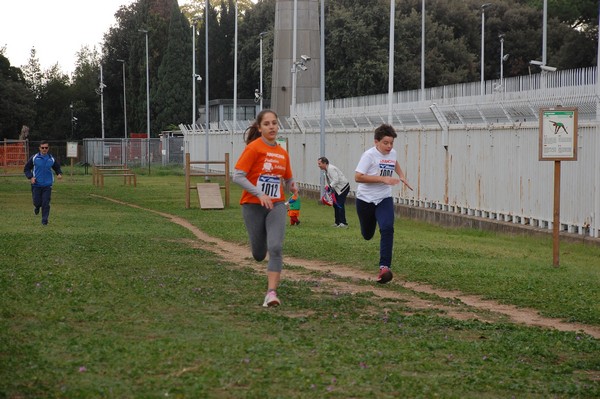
x=72 y=149
x=558 y=134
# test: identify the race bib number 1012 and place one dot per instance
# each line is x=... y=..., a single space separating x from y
x=270 y=185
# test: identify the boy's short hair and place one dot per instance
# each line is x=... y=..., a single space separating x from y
x=385 y=130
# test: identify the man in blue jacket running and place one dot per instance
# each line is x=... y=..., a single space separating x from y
x=39 y=171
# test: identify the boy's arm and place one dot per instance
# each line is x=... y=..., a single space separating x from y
x=363 y=178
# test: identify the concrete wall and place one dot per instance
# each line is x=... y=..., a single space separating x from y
x=307 y=43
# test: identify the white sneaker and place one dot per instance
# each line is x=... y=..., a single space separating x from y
x=335 y=225
x=271 y=300
x=342 y=225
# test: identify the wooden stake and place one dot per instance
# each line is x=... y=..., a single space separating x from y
x=556 y=220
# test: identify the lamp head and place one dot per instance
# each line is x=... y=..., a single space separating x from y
x=548 y=68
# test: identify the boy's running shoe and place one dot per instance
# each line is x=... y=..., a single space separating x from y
x=385 y=275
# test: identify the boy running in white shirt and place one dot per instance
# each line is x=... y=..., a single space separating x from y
x=374 y=202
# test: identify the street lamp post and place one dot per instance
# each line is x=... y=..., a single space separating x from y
x=294 y=68
x=422 y=50
x=72 y=127
x=195 y=76
x=260 y=87
x=483 y=7
x=300 y=64
x=124 y=101
x=145 y=31
x=235 y=77
x=102 y=86
x=503 y=58
x=206 y=94
x=391 y=61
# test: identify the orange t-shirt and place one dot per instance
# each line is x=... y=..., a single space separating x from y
x=267 y=167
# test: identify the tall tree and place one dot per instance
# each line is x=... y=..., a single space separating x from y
x=16 y=101
x=33 y=74
x=172 y=95
x=53 y=112
x=86 y=103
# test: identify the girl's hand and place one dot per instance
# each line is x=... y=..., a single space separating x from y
x=266 y=201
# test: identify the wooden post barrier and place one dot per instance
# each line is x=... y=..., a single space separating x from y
x=189 y=173
x=100 y=171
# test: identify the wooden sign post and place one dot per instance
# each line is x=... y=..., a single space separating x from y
x=72 y=153
x=558 y=142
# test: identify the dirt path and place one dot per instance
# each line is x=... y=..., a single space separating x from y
x=455 y=304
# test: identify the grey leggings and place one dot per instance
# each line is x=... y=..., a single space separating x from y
x=266 y=230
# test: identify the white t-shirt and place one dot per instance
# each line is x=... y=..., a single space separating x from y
x=374 y=163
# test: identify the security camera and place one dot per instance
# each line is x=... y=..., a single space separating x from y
x=534 y=62
x=256 y=94
x=302 y=66
x=198 y=78
x=102 y=86
x=547 y=68
x=505 y=58
x=305 y=58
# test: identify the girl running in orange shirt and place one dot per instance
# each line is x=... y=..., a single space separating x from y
x=265 y=174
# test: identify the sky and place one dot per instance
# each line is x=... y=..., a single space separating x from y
x=56 y=28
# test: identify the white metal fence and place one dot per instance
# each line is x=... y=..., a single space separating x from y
x=462 y=152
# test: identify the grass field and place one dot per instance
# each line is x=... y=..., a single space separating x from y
x=113 y=301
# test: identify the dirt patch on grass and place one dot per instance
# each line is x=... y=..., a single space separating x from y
x=345 y=280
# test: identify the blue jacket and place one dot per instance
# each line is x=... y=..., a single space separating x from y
x=40 y=167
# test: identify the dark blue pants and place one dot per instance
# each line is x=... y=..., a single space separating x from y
x=340 y=209
x=41 y=199
x=382 y=214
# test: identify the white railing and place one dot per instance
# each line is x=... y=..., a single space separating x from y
x=473 y=154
